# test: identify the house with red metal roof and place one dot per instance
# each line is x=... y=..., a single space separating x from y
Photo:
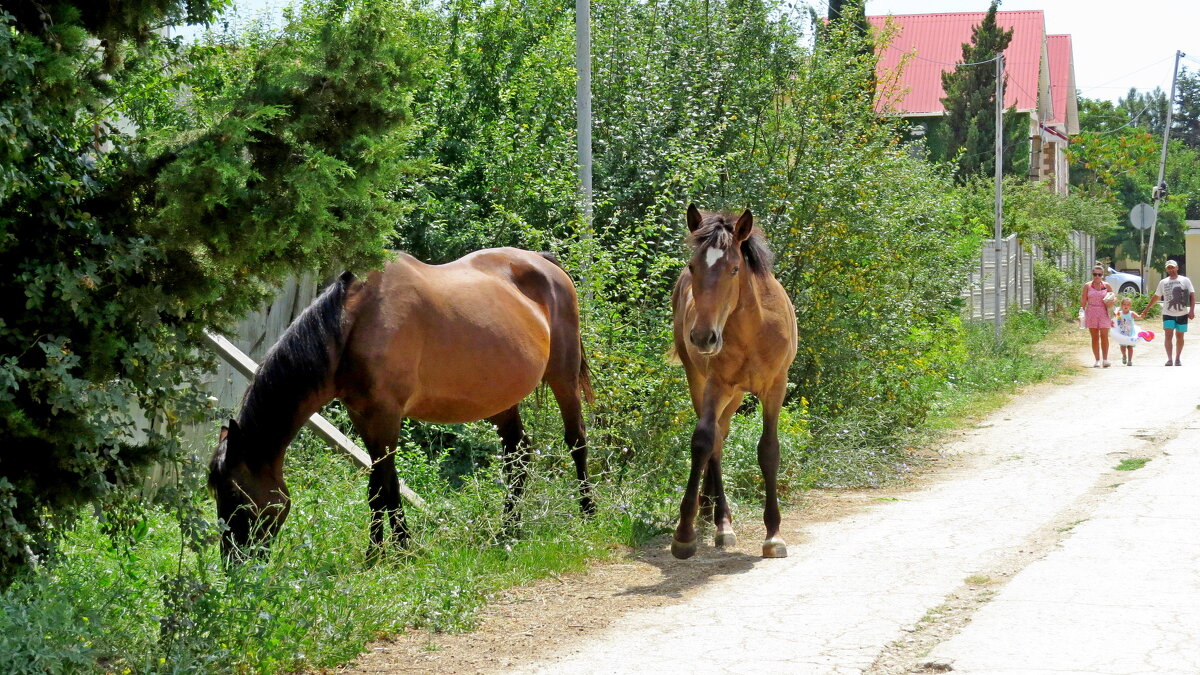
x=1040 y=82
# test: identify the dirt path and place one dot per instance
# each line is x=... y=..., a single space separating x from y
x=1022 y=550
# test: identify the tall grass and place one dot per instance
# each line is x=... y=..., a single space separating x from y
x=154 y=606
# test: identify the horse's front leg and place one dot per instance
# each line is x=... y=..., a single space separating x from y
x=768 y=463
x=383 y=496
x=704 y=439
x=379 y=430
x=712 y=501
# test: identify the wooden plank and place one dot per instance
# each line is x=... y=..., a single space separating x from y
x=321 y=426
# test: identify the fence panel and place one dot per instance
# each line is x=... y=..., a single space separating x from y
x=1013 y=280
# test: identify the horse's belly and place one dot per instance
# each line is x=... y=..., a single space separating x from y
x=475 y=371
x=463 y=390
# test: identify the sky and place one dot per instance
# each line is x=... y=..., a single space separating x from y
x=1117 y=44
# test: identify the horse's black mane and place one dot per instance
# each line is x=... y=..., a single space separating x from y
x=716 y=229
x=297 y=364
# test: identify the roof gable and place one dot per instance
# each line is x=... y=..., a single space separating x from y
x=1064 y=108
x=935 y=43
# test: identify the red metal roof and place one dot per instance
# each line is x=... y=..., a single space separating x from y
x=935 y=42
x=1062 y=80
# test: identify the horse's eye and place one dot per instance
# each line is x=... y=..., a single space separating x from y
x=691 y=268
x=735 y=269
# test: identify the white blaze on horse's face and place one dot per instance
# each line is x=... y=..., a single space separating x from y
x=712 y=255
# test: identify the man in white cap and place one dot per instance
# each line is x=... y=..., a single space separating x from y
x=1179 y=305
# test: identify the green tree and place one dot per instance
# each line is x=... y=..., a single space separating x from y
x=117 y=249
x=1187 y=109
x=1147 y=110
x=970 y=104
x=1115 y=157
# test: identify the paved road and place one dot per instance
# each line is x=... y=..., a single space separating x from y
x=1033 y=555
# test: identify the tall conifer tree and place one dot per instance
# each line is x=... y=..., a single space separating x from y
x=970 y=102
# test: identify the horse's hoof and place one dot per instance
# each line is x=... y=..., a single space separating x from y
x=683 y=550
x=774 y=548
x=725 y=539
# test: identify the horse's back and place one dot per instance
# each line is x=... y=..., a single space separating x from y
x=460 y=341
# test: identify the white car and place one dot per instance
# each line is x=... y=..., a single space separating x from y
x=1124 y=283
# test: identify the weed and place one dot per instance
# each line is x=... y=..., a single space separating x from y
x=978 y=580
x=1132 y=463
x=934 y=613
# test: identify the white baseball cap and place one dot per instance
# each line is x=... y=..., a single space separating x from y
x=1172 y=263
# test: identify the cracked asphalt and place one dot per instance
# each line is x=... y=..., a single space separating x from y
x=1033 y=555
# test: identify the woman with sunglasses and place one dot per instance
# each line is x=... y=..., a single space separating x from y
x=1096 y=317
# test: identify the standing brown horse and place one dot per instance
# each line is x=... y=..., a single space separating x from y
x=735 y=332
x=450 y=343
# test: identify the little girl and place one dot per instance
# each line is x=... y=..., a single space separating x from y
x=1125 y=331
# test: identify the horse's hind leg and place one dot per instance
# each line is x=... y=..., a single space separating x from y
x=768 y=462
x=567 y=396
x=516 y=460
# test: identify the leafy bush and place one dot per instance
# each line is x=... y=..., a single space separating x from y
x=120 y=250
x=1055 y=292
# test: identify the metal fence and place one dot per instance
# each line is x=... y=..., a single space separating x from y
x=1014 y=280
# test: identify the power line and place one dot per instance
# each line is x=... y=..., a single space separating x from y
x=1115 y=79
x=1131 y=122
x=955 y=64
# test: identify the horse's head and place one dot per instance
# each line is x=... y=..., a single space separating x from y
x=252 y=498
x=717 y=261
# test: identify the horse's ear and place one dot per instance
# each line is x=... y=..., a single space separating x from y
x=693 y=218
x=224 y=434
x=745 y=223
x=231 y=431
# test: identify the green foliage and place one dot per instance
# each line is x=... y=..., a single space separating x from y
x=1187 y=109
x=1132 y=463
x=120 y=250
x=1115 y=157
x=1037 y=215
x=1055 y=292
x=314 y=603
x=995 y=367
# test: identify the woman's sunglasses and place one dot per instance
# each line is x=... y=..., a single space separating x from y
x=1097 y=274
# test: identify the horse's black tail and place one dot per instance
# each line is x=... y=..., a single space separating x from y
x=585 y=371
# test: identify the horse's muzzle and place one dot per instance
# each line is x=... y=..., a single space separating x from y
x=706 y=341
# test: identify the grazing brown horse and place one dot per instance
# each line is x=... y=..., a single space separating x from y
x=735 y=332
x=450 y=343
